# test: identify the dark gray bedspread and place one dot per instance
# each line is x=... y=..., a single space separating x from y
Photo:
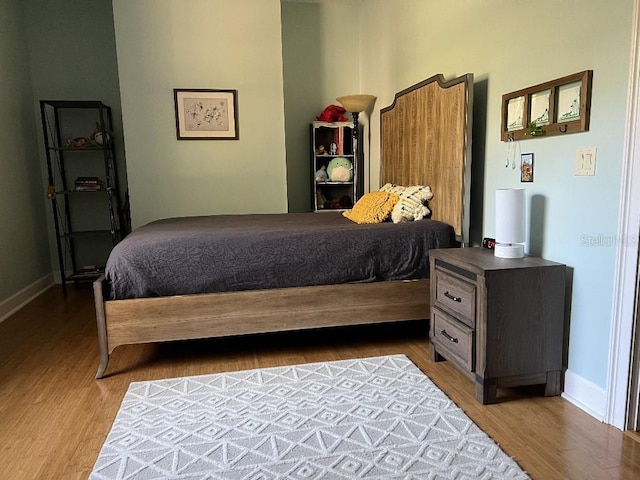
x=221 y=253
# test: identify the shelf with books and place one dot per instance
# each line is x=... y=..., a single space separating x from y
x=87 y=225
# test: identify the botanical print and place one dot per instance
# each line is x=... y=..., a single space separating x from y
x=540 y=108
x=515 y=111
x=206 y=114
x=569 y=102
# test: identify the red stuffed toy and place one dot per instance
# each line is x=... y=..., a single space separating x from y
x=333 y=113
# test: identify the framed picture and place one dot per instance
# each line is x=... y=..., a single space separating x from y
x=526 y=167
x=556 y=107
x=515 y=113
x=569 y=102
x=203 y=114
x=540 y=108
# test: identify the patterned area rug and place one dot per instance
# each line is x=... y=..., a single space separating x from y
x=369 y=418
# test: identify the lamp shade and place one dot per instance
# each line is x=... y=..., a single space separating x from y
x=510 y=221
x=356 y=103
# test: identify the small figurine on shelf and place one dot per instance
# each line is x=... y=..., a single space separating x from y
x=96 y=136
x=320 y=199
x=333 y=149
x=80 y=142
x=320 y=150
x=321 y=174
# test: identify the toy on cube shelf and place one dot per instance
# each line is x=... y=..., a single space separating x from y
x=321 y=174
x=321 y=200
x=341 y=203
x=340 y=169
x=333 y=113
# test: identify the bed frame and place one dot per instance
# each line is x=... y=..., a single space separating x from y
x=425 y=139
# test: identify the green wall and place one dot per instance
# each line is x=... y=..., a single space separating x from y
x=24 y=248
x=509 y=46
x=320 y=42
x=226 y=44
x=73 y=57
x=56 y=50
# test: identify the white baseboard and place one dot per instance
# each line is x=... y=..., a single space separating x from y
x=585 y=395
x=18 y=300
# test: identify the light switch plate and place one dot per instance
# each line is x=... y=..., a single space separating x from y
x=585 y=161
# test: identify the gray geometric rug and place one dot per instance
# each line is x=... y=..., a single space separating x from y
x=368 y=418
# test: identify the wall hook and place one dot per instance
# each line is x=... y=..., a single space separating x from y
x=510 y=149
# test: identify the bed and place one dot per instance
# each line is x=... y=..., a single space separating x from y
x=425 y=139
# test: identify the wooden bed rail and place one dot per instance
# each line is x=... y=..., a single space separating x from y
x=186 y=317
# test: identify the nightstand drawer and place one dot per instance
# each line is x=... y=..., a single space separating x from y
x=456 y=295
x=454 y=337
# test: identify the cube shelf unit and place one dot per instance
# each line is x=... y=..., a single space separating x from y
x=327 y=195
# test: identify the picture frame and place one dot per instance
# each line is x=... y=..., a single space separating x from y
x=569 y=102
x=206 y=114
x=526 y=167
x=557 y=107
x=515 y=113
x=540 y=107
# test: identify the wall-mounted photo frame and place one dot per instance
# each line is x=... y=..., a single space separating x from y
x=557 y=107
x=526 y=167
x=204 y=114
x=540 y=108
x=569 y=102
x=515 y=113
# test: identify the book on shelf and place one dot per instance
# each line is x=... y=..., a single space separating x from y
x=338 y=139
x=88 y=184
x=88 y=180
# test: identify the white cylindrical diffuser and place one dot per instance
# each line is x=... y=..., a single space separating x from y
x=510 y=222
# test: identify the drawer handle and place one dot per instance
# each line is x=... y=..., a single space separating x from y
x=452 y=297
x=448 y=337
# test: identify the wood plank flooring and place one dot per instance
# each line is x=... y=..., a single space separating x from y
x=54 y=416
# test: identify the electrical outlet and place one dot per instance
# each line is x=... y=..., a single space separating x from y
x=585 y=161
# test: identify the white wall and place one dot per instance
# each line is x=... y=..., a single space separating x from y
x=508 y=46
x=226 y=44
x=24 y=248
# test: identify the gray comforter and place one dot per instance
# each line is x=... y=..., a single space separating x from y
x=222 y=253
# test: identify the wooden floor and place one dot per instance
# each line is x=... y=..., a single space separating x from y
x=54 y=416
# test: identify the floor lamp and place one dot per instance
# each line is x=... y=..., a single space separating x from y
x=355 y=104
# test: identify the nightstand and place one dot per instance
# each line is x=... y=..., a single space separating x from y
x=500 y=321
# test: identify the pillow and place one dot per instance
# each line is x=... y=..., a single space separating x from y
x=411 y=205
x=373 y=207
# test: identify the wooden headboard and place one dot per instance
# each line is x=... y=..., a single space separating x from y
x=426 y=140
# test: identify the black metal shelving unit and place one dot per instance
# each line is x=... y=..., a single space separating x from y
x=83 y=187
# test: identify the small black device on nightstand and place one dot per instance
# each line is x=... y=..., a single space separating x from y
x=489 y=243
